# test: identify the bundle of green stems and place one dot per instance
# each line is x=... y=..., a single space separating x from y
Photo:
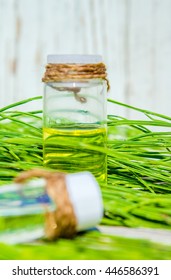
x=138 y=190
x=88 y=246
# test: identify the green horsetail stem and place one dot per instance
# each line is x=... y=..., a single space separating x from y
x=139 y=162
x=90 y=246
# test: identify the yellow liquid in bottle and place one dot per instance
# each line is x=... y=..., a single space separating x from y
x=64 y=150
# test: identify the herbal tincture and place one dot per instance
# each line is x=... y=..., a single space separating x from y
x=74 y=114
x=50 y=207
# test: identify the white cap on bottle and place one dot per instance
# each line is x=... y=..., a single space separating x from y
x=73 y=58
x=85 y=196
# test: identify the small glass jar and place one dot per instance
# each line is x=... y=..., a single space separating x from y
x=74 y=126
x=25 y=207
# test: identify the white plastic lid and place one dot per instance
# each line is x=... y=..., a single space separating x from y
x=73 y=58
x=85 y=195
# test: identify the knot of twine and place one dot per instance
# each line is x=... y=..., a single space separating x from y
x=62 y=222
x=63 y=72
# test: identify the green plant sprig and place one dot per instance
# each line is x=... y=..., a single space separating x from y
x=139 y=163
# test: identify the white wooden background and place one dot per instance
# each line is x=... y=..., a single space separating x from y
x=133 y=36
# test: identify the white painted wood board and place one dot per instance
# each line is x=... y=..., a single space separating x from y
x=133 y=36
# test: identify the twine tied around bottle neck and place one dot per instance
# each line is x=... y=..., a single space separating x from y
x=76 y=72
x=62 y=222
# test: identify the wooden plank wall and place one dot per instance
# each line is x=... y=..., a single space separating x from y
x=133 y=36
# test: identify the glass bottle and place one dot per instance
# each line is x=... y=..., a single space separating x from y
x=74 y=126
x=23 y=207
